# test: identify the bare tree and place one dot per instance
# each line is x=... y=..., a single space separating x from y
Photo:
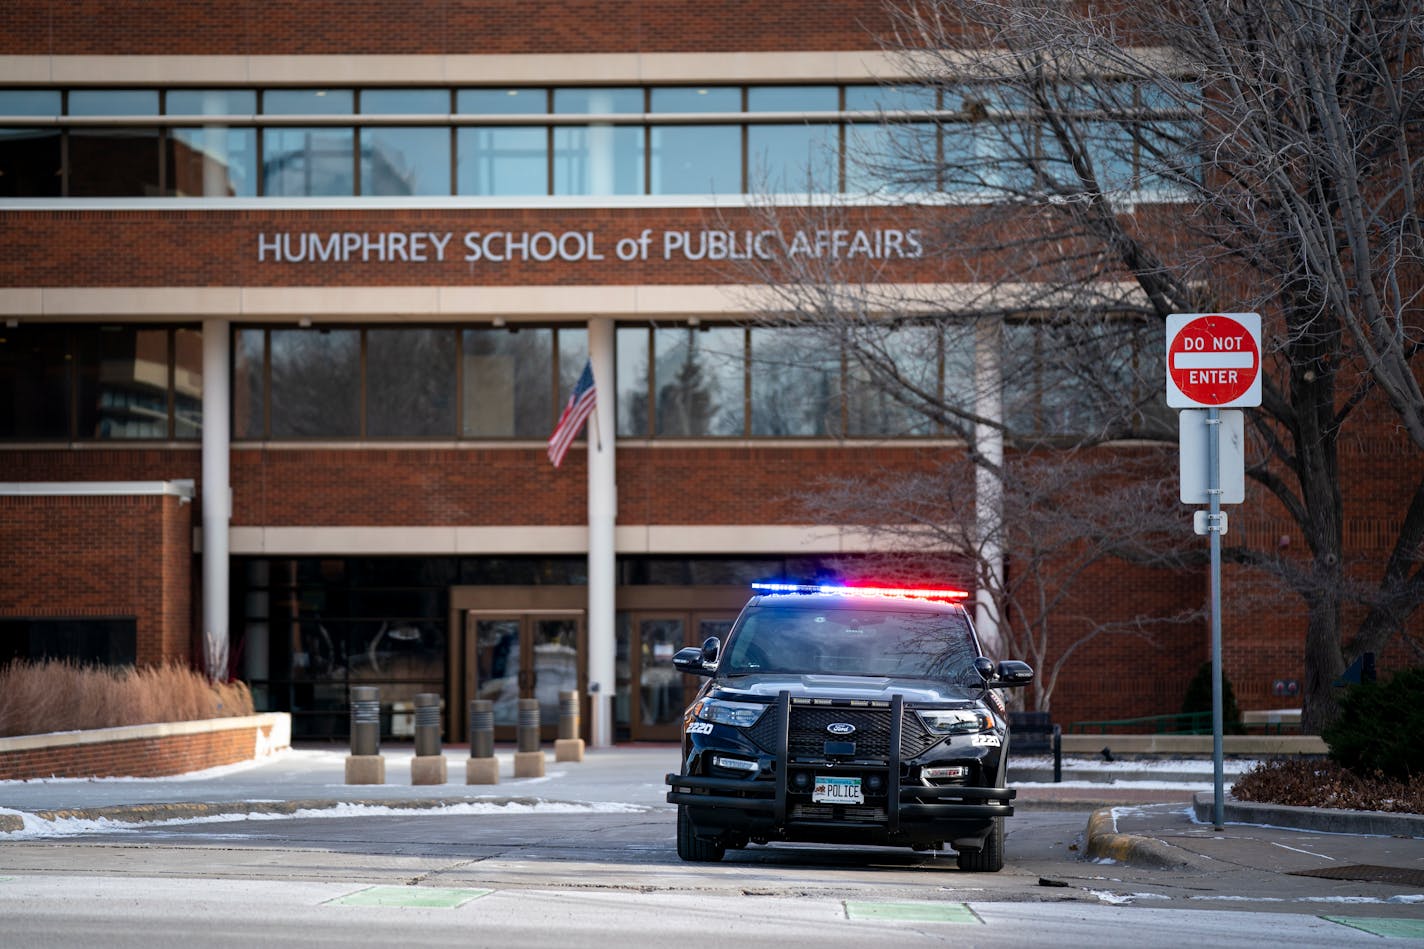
x=1096 y=171
x=1063 y=523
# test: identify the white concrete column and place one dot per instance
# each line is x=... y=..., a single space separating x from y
x=217 y=494
x=602 y=513
x=988 y=490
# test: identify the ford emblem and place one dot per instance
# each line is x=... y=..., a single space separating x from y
x=840 y=728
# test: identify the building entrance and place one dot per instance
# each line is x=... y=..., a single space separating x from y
x=524 y=656
x=658 y=692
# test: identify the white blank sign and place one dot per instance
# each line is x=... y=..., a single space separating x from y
x=1192 y=437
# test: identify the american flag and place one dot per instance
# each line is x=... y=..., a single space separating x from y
x=581 y=404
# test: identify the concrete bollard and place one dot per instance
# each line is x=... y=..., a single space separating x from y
x=483 y=767
x=528 y=760
x=365 y=764
x=568 y=746
x=428 y=766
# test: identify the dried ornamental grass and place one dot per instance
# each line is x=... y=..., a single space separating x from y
x=41 y=697
x=1320 y=783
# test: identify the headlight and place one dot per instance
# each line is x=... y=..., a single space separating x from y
x=739 y=714
x=956 y=721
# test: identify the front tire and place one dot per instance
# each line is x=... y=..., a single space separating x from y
x=990 y=858
x=692 y=848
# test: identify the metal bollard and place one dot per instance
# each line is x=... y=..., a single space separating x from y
x=528 y=760
x=569 y=746
x=427 y=724
x=365 y=765
x=481 y=728
x=568 y=715
x=528 y=725
x=365 y=720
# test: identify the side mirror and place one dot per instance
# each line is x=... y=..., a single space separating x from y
x=691 y=661
x=985 y=667
x=711 y=647
x=1012 y=672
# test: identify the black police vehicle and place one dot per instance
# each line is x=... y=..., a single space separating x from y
x=846 y=714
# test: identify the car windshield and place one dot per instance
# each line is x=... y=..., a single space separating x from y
x=852 y=641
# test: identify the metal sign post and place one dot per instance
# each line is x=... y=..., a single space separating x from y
x=1213 y=362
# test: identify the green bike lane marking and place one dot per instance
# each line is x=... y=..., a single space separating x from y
x=409 y=896
x=1384 y=926
x=912 y=912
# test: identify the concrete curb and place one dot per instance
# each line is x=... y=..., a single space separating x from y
x=1105 y=843
x=1327 y=820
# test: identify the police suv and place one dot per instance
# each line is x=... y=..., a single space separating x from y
x=846 y=714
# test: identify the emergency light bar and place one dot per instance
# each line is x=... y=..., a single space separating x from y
x=832 y=590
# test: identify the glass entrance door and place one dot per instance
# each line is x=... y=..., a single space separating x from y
x=525 y=656
x=659 y=693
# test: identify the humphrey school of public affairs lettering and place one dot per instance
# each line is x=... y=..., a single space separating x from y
x=497 y=247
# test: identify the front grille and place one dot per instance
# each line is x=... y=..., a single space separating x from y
x=841 y=812
x=808 y=735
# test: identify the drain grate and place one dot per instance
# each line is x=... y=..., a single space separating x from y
x=1402 y=876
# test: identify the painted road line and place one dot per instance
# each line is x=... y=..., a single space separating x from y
x=1388 y=928
x=409 y=896
x=912 y=912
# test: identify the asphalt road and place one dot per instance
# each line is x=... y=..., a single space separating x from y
x=587 y=856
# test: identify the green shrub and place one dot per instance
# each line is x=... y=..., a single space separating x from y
x=1198 y=699
x=1379 y=727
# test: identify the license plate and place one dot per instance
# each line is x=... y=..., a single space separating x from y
x=828 y=790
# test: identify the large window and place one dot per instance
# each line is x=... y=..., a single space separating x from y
x=580 y=141
x=407 y=382
x=100 y=382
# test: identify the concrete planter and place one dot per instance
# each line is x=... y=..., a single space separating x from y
x=145 y=751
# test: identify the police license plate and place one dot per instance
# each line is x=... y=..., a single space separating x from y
x=837 y=790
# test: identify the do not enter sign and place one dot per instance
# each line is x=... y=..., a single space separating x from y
x=1213 y=360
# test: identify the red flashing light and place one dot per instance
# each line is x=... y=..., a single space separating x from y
x=898 y=593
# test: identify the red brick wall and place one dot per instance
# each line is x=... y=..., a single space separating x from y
x=139 y=758
x=451 y=27
x=221 y=248
x=102 y=556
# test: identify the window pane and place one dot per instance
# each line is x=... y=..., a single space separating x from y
x=210 y=102
x=405 y=160
x=108 y=162
x=502 y=161
x=29 y=102
x=307 y=102
x=698 y=99
x=212 y=161
x=187 y=383
x=699 y=381
x=307 y=161
x=793 y=99
x=889 y=98
x=598 y=101
x=632 y=368
x=34 y=382
x=248 y=388
x=410 y=383
x=598 y=159
x=792 y=159
x=795 y=383
x=697 y=159
x=985 y=156
x=913 y=352
x=508 y=378
x=113 y=102
x=30 y=163
x=405 y=101
x=123 y=383
x=897 y=158
x=315 y=383
x=502 y=101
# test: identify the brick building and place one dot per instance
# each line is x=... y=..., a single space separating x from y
x=294 y=294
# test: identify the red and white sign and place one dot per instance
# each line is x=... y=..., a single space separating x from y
x=1213 y=360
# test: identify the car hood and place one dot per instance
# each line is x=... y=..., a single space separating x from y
x=866 y=688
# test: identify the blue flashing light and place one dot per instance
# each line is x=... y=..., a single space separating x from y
x=767 y=586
